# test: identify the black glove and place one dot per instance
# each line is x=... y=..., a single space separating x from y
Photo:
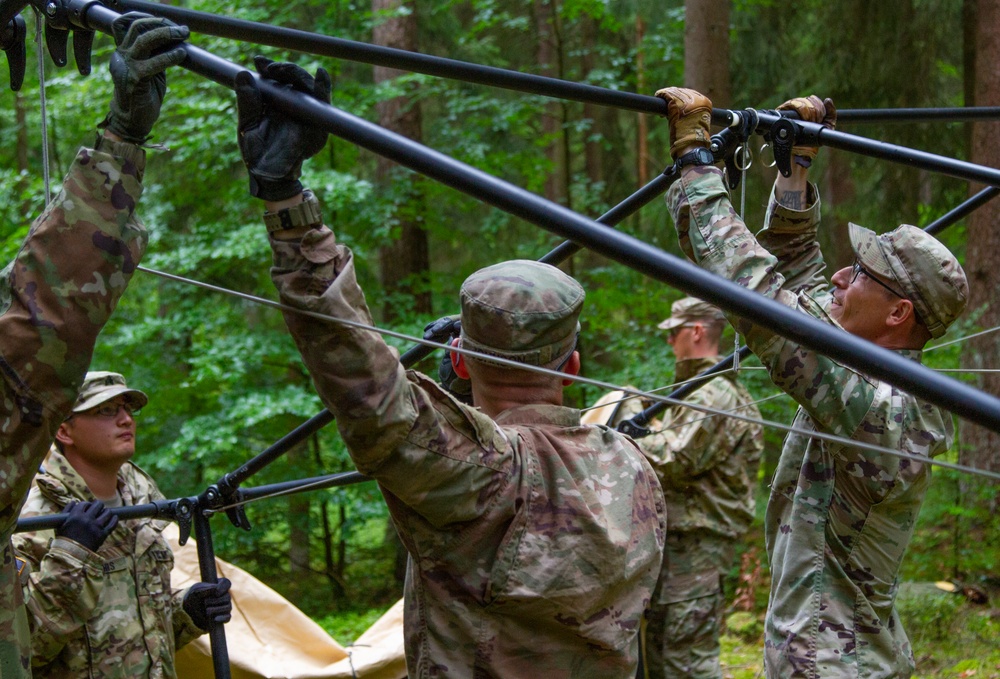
x=209 y=604
x=88 y=523
x=444 y=330
x=147 y=47
x=272 y=144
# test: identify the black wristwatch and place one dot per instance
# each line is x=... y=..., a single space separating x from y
x=699 y=156
x=306 y=213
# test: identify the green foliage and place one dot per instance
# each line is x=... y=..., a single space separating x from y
x=745 y=625
x=225 y=379
x=347 y=626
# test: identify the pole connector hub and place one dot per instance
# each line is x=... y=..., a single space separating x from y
x=13 y=41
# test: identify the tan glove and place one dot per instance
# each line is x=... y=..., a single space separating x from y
x=690 y=115
x=811 y=110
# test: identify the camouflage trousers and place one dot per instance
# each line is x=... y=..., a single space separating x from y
x=681 y=637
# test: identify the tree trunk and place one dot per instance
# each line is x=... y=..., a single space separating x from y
x=404 y=263
x=642 y=152
x=838 y=189
x=21 y=124
x=298 y=527
x=592 y=112
x=982 y=259
x=552 y=115
x=706 y=49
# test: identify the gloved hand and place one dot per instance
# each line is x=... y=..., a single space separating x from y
x=812 y=110
x=273 y=145
x=147 y=46
x=209 y=604
x=444 y=330
x=690 y=116
x=88 y=524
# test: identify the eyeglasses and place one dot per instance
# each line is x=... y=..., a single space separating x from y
x=859 y=269
x=674 y=331
x=112 y=410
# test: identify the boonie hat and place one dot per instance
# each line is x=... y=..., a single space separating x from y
x=920 y=266
x=523 y=311
x=101 y=386
x=689 y=310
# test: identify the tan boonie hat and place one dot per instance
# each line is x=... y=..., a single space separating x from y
x=523 y=311
x=920 y=267
x=101 y=386
x=689 y=310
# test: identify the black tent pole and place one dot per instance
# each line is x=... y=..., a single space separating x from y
x=635 y=426
x=947 y=393
x=338 y=48
x=209 y=573
x=919 y=115
x=615 y=215
x=960 y=211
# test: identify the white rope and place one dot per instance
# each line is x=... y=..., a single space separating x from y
x=962 y=339
x=576 y=378
x=41 y=97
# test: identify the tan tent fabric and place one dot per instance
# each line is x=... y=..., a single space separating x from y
x=603 y=409
x=269 y=638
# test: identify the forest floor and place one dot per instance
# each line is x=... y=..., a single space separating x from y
x=951 y=636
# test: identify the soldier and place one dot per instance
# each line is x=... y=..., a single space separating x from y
x=839 y=518
x=707 y=467
x=99 y=597
x=63 y=285
x=534 y=542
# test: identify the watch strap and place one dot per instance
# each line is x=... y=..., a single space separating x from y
x=306 y=213
x=699 y=156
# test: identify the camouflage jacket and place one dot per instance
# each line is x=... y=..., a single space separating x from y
x=54 y=299
x=110 y=614
x=708 y=470
x=839 y=518
x=534 y=541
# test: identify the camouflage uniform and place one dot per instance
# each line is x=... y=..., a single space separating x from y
x=534 y=542
x=110 y=614
x=708 y=470
x=839 y=518
x=54 y=299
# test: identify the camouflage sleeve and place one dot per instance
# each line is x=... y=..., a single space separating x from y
x=62 y=596
x=64 y=585
x=55 y=297
x=185 y=631
x=686 y=443
x=790 y=235
x=436 y=456
x=718 y=241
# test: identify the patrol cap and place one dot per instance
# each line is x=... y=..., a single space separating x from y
x=523 y=311
x=101 y=386
x=921 y=268
x=689 y=310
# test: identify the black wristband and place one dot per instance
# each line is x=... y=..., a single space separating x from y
x=274 y=189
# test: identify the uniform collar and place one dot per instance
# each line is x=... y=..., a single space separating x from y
x=540 y=414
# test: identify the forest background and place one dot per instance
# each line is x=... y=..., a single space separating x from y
x=226 y=381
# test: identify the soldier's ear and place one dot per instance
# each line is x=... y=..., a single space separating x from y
x=64 y=434
x=572 y=367
x=458 y=361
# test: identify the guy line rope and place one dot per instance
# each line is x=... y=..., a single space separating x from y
x=576 y=378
